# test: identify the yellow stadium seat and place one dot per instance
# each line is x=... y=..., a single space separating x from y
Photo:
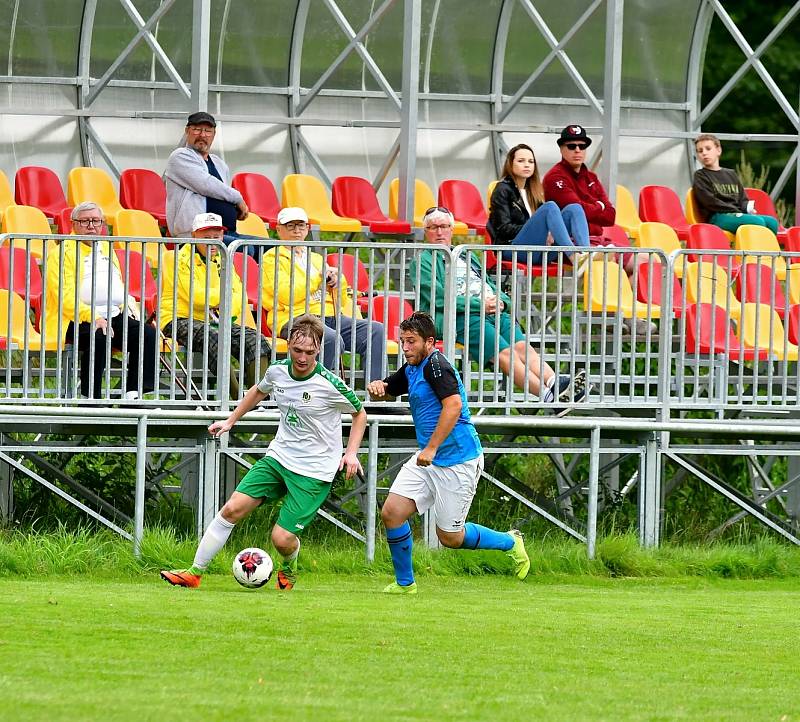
x=27 y=219
x=138 y=224
x=423 y=199
x=760 y=239
x=15 y=327
x=6 y=194
x=253 y=226
x=627 y=214
x=606 y=287
x=707 y=282
x=793 y=281
x=489 y=192
x=660 y=235
x=94 y=184
x=761 y=328
x=308 y=193
x=693 y=214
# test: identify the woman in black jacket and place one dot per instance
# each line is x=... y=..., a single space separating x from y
x=519 y=214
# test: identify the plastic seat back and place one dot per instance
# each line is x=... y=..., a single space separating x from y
x=93 y=184
x=793 y=284
x=705 y=237
x=24 y=278
x=41 y=188
x=757 y=284
x=793 y=324
x=138 y=224
x=761 y=240
x=354 y=197
x=662 y=236
x=250 y=274
x=764 y=203
x=64 y=221
x=15 y=325
x=706 y=282
x=423 y=199
x=142 y=189
x=252 y=226
x=627 y=215
x=6 y=195
x=661 y=204
x=309 y=193
x=489 y=192
x=464 y=200
x=390 y=311
x=761 y=328
x=709 y=331
x=138 y=276
x=260 y=195
x=26 y=219
x=650 y=287
x=693 y=212
x=606 y=288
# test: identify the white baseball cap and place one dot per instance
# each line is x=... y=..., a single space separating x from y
x=292 y=213
x=206 y=220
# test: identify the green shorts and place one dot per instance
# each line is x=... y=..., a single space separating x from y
x=302 y=496
x=506 y=335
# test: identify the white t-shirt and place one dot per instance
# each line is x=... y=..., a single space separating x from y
x=469 y=281
x=105 y=305
x=309 y=438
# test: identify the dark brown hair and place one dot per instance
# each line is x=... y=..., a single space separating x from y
x=533 y=185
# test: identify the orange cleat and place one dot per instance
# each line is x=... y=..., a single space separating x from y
x=181 y=578
x=286 y=580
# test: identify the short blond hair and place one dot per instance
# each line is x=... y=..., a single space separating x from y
x=308 y=326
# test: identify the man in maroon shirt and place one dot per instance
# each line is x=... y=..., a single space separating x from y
x=570 y=181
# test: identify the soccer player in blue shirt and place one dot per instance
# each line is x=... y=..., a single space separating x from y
x=444 y=473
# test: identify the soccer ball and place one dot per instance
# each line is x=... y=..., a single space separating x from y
x=252 y=567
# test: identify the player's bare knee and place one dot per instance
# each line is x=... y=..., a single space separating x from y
x=284 y=541
x=450 y=539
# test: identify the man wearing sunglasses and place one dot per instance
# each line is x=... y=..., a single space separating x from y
x=570 y=181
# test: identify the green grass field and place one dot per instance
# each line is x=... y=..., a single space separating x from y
x=467 y=648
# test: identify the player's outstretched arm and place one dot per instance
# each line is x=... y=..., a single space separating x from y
x=377 y=391
x=451 y=410
x=350 y=462
x=250 y=400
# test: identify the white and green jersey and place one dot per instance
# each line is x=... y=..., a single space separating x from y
x=309 y=438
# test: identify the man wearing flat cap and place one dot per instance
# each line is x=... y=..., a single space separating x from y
x=198 y=181
x=570 y=181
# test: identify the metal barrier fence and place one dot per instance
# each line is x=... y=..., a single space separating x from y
x=713 y=331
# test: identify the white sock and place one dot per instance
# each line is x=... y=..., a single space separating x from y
x=131 y=395
x=213 y=540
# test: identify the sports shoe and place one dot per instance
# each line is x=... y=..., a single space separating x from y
x=395 y=588
x=181 y=578
x=519 y=555
x=287 y=575
x=579 y=387
x=639 y=326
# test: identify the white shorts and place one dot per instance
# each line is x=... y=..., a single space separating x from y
x=448 y=489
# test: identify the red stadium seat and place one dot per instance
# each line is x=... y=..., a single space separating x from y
x=260 y=195
x=661 y=204
x=253 y=273
x=355 y=272
x=64 y=222
x=395 y=311
x=757 y=284
x=709 y=331
x=705 y=237
x=39 y=187
x=764 y=207
x=143 y=190
x=132 y=274
x=464 y=201
x=15 y=281
x=793 y=241
x=649 y=287
x=793 y=324
x=354 y=197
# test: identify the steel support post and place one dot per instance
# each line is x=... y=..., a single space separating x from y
x=141 y=467
x=208 y=486
x=372 y=490
x=6 y=492
x=594 y=486
x=792 y=493
x=611 y=95
x=412 y=18
x=650 y=492
x=201 y=38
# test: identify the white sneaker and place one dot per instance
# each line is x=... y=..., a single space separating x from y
x=131 y=395
x=639 y=326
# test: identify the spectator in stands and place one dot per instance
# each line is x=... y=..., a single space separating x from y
x=520 y=215
x=88 y=273
x=720 y=194
x=306 y=284
x=516 y=357
x=199 y=181
x=183 y=299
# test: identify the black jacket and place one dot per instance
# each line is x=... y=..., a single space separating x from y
x=508 y=213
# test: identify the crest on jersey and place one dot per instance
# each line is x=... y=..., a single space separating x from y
x=306 y=397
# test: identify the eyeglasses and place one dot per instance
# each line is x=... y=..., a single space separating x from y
x=440 y=209
x=439 y=227
x=202 y=130
x=88 y=222
x=295 y=226
x=576 y=146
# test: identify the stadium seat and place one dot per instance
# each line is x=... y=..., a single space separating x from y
x=6 y=196
x=249 y=273
x=252 y=226
x=650 y=286
x=709 y=331
x=142 y=189
x=355 y=272
x=138 y=224
x=757 y=284
x=308 y=192
x=464 y=201
x=662 y=205
x=489 y=192
x=695 y=216
x=93 y=184
x=765 y=207
x=606 y=288
x=793 y=284
x=14 y=279
x=135 y=271
x=355 y=197
x=705 y=237
x=627 y=215
x=758 y=239
x=423 y=199
x=260 y=195
x=653 y=234
x=793 y=324
x=706 y=282
x=15 y=325
x=26 y=219
x=390 y=311
x=64 y=221
x=761 y=328
x=792 y=244
x=41 y=188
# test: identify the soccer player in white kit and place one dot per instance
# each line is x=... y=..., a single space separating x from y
x=444 y=473
x=301 y=460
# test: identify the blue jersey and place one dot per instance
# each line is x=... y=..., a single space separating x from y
x=426 y=385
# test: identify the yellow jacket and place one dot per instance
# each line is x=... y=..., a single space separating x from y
x=286 y=296
x=66 y=277
x=192 y=264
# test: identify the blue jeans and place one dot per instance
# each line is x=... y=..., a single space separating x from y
x=254 y=251
x=568 y=228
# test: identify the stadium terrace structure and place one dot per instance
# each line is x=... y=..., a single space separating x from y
x=416 y=91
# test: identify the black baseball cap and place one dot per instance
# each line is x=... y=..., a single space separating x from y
x=574 y=133
x=200 y=118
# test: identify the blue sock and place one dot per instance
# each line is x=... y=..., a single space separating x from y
x=400 y=543
x=481 y=537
